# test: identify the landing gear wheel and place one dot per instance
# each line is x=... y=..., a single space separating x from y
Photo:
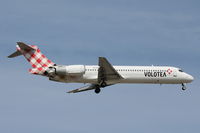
x=183 y=87
x=97 y=90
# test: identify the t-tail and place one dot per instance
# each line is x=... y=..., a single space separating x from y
x=32 y=53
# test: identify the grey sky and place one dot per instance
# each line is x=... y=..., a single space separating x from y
x=127 y=32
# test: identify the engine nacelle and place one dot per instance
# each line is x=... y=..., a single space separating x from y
x=73 y=70
x=70 y=70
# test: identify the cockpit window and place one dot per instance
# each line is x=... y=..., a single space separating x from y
x=180 y=70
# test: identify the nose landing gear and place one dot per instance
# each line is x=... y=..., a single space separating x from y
x=184 y=87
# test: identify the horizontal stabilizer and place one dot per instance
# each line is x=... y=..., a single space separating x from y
x=24 y=46
x=34 y=56
x=15 y=54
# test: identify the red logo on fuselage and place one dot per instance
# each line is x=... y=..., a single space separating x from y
x=169 y=71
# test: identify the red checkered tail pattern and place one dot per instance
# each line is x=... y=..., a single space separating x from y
x=32 y=53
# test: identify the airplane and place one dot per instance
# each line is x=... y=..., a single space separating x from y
x=99 y=76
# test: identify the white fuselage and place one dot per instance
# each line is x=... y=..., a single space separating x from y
x=132 y=74
x=101 y=75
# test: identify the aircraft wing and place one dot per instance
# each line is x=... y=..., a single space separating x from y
x=107 y=71
x=85 y=88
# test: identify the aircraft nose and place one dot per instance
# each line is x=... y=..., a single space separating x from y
x=190 y=78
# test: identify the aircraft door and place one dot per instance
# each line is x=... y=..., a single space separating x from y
x=174 y=73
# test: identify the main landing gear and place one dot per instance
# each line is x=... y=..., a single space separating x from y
x=102 y=85
x=97 y=90
x=183 y=87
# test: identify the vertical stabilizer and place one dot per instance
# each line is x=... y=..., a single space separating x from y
x=32 y=53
